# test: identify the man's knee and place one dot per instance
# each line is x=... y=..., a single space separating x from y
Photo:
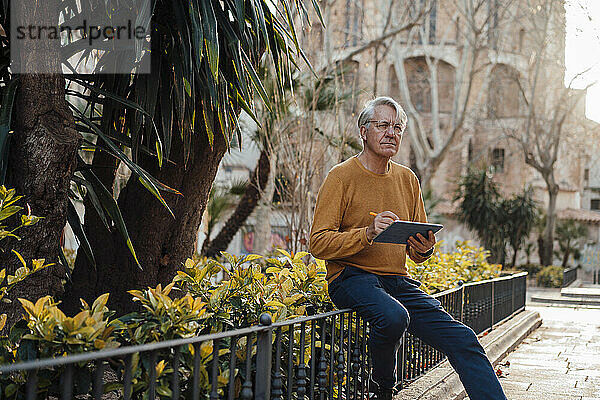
x=393 y=323
x=468 y=341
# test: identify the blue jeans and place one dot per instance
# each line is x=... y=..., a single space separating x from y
x=394 y=304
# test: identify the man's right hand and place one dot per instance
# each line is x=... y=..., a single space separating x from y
x=380 y=222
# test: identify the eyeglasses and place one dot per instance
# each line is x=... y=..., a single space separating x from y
x=383 y=126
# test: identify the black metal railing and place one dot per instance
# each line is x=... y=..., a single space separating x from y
x=320 y=357
x=569 y=276
x=479 y=305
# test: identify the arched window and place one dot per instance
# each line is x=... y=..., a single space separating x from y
x=418 y=77
x=470 y=151
x=354 y=20
x=417 y=74
x=445 y=79
x=521 y=39
x=504 y=95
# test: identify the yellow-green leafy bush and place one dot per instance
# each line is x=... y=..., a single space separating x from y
x=208 y=296
x=443 y=271
x=8 y=208
x=550 y=276
x=57 y=334
x=238 y=293
x=164 y=318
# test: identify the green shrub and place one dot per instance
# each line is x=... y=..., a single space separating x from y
x=8 y=208
x=550 y=276
x=207 y=296
x=212 y=296
x=532 y=269
x=284 y=287
x=443 y=271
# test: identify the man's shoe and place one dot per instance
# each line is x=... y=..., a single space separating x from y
x=376 y=393
x=384 y=394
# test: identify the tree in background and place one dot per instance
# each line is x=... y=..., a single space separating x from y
x=314 y=138
x=220 y=200
x=480 y=209
x=498 y=221
x=571 y=236
x=437 y=96
x=549 y=105
x=272 y=119
x=521 y=214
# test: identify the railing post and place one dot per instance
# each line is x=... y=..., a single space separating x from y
x=402 y=359
x=492 y=319
x=462 y=302
x=512 y=294
x=264 y=349
x=31 y=385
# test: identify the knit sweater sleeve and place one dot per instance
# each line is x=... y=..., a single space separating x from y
x=327 y=242
x=419 y=215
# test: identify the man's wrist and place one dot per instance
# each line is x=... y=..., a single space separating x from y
x=426 y=254
x=369 y=240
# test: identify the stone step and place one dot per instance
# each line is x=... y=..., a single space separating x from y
x=581 y=292
x=566 y=300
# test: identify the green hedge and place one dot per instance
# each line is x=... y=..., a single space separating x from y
x=550 y=276
x=532 y=269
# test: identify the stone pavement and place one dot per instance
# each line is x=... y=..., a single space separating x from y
x=558 y=361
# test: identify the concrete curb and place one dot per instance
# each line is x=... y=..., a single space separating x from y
x=442 y=383
x=567 y=301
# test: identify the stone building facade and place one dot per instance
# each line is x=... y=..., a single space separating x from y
x=472 y=71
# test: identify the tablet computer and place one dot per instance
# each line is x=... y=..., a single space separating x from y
x=399 y=231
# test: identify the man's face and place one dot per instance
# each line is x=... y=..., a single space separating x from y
x=381 y=143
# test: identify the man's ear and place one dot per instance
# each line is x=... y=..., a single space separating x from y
x=363 y=132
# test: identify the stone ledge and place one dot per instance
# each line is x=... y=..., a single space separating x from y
x=442 y=383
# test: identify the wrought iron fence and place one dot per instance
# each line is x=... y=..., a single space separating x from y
x=569 y=276
x=320 y=357
x=479 y=305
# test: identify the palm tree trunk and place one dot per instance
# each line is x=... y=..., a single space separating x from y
x=162 y=242
x=42 y=158
x=247 y=204
x=514 y=259
x=566 y=256
x=262 y=231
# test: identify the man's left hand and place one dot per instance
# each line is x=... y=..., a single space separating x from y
x=421 y=243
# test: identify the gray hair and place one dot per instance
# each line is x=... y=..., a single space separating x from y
x=369 y=109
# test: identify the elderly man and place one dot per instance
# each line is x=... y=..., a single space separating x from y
x=372 y=278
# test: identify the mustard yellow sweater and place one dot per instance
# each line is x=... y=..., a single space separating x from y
x=339 y=229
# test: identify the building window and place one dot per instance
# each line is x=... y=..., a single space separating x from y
x=521 y=39
x=417 y=75
x=498 y=159
x=586 y=176
x=354 y=20
x=470 y=151
x=504 y=94
x=432 y=22
x=419 y=79
x=595 y=204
